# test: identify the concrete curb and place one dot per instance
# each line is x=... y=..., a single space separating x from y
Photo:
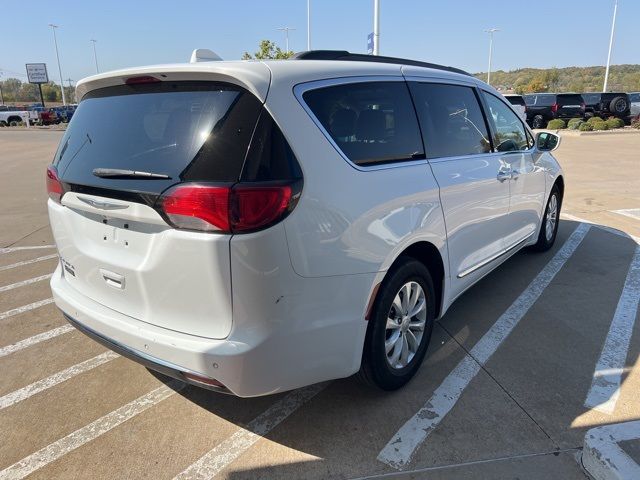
x=602 y=456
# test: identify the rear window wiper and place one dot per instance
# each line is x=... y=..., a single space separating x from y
x=120 y=173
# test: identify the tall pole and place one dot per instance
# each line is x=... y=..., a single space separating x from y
x=1 y=96
x=71 y=88
x=286 y=31
x=308 y=25
x=55 y=42
x=613 y=27
x=490 y=32
x=376 y=27
x=95 y=55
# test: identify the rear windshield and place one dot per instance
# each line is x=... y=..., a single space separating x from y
x=569 y=99
x=515 y=100
x=195 y=131
x=545 y=100
x=591 y=98
x=634 y=97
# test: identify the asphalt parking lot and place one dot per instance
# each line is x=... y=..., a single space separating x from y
x=519 y=370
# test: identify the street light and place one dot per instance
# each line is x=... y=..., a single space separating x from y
x=55 y=42
x=308 y=25
x=376 y=27
x=613 y=27
x=95 y=55
x=286 y=30
x=490 y=32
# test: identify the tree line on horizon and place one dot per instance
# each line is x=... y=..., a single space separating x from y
x=622 y=78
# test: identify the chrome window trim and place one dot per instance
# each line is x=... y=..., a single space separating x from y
x=300 y=89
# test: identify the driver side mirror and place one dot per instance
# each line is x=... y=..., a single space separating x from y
x=547 y=141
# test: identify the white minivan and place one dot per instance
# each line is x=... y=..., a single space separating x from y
x=256 y=226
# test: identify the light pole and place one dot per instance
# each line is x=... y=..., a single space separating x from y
x=613 y=27
x=95 y=55
x=55 y=42
x=1 y=96
x=286 y=31
x=308 y=25
x=490 y=32
x=71 y=88
x=376 y=27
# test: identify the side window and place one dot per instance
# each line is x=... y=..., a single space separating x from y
x=451 y=120
x=509 y=132
x=371 y=122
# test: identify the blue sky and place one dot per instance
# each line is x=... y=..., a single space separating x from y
x=535 y=33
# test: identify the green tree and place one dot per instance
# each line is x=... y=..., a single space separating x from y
x=268 y=50
x=551 y=79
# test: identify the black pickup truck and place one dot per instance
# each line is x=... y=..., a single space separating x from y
x=605 y=105
x=542 y=107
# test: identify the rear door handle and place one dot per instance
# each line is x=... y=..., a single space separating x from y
x=112 y=279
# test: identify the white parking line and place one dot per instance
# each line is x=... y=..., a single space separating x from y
x=17 y=249
x=88 y=433
x=28 y=342
x=399 y=450
x=226 y=452
x=606 y=228
x=25 y=282
x=25 y=308
x=602 y=455
x=28 y=262
x=629 y=212
x=605 y=387
x=59 y=377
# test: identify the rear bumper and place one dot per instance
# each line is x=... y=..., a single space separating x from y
x=255 y=363
x=153 y=363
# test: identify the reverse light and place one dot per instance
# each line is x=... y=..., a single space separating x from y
x=54 y=186
x=226 y=209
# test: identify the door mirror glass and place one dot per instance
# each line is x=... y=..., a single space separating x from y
x=547 y=141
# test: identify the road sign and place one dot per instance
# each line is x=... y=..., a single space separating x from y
x=37 y=73
x=370 y=43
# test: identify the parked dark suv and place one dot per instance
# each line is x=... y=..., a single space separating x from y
x=542 y=107
x=605 y=105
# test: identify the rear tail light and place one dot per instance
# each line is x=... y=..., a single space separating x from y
x=227 y=209
x=54 y=186
x=583 y=106
x=554 y=107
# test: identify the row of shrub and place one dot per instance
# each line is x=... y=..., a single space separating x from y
x=593 y=124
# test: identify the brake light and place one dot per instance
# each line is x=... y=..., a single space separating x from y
x=141 y=79
x=554 y=107
x=54 y=186
x=226 y=209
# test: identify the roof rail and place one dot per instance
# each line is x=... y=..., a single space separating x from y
x=360 y=57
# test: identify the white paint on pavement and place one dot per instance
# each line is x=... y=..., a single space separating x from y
x=629 y=212
x=399 y=450
x=28 y=342
x=602 y=455
x=25 y=282
x=30 y=247
x=90 y=432
x=606 y=228
x=28 y=262
x=25 y=308
x=605 y=387
x=226 y=452
x=59 y=377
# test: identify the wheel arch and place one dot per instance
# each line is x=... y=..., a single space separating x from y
x=427 y=254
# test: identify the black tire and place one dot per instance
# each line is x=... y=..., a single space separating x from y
x=13 y=123
x=618 y=105
x=538 y=122
x=545 y=242
x=376 y=369
x=588 y=115
x=3 y=123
